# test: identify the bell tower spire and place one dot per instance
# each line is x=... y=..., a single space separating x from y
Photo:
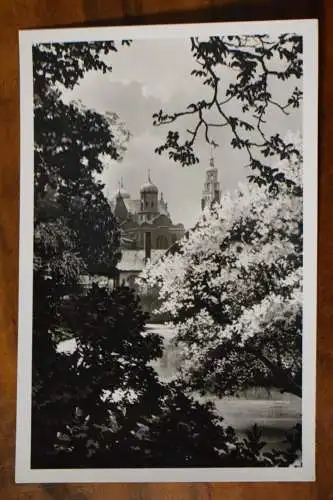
x=148 y=200
x=211 y=160
x=211 y=192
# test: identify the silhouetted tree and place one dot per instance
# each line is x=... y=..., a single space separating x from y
x=75 y=232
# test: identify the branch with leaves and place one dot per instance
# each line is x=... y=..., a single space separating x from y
x=244 y=105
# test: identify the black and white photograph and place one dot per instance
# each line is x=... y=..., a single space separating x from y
x=168 y=232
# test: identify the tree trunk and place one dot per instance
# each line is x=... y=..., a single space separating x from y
x=282 y=379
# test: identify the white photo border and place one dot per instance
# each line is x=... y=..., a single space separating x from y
x=308 y=29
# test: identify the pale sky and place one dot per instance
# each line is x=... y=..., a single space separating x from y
x=148 y=76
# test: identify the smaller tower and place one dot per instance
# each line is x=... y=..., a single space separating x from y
x=148 y=200
x=211 y=192
x=163 y=206
x=120 y=210
x=119 y=202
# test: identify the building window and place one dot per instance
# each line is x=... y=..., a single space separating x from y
x=146 y=204
x=152 y=204
x=162 y=242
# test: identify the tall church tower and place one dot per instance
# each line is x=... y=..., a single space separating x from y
x=211 y=192
x=148 y=201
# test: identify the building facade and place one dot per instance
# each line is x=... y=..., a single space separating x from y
x=145 y=223
x=211 y=192
x=147 y=230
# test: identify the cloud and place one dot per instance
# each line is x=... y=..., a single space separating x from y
x=128 y=100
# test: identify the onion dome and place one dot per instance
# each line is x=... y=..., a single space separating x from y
x=149 y=187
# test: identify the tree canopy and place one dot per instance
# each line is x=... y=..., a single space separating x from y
x=71 y=142
x=233 y=290
x=75 y=232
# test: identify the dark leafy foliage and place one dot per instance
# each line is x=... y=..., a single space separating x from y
x=75 y=231
x=67 y=63
x=160 y=426
x=111 y=354
x=250 y=452
x=255 y=62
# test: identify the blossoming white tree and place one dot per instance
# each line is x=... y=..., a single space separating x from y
x=233 y=290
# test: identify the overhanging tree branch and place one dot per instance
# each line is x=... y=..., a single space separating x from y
x=253 y=59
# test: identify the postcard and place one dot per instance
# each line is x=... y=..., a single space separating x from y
x=168 y=246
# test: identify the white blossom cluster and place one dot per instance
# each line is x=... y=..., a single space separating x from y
x=238 y=274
